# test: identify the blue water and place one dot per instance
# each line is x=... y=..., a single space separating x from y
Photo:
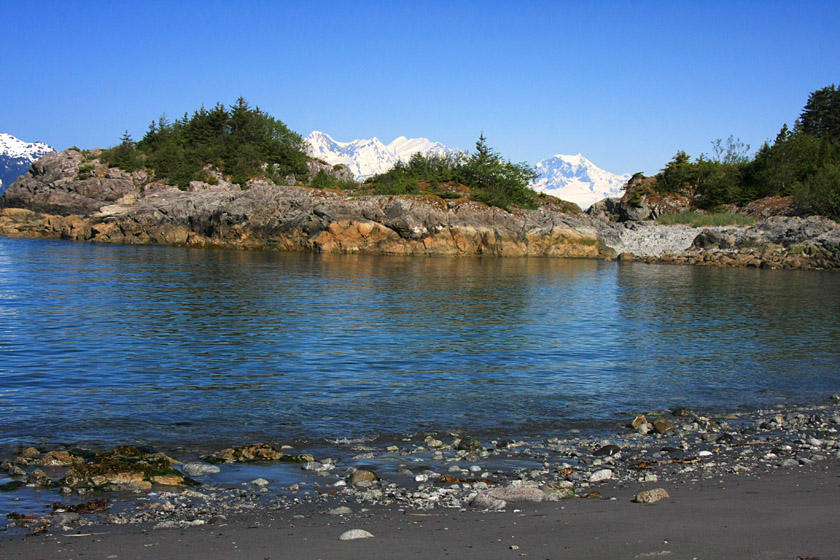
x=194 y=349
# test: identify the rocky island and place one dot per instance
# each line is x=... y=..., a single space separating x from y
x=73 y=195
x=111 y=206
x=235 y=177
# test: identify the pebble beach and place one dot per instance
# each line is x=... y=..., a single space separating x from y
x=673 y=483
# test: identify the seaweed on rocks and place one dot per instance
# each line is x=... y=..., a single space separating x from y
x=255 y=452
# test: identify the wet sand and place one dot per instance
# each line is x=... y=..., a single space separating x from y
x=792 y=513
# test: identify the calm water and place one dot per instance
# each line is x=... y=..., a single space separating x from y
x=192 y=349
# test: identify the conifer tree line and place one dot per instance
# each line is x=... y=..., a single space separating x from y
x=803 y=162
x=243 y=142
x=239 y=141
x=490 y=178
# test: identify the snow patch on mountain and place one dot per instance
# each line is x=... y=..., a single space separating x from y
x=572 y=178
x=13 y=148
x=578 y=180
x=366 y=158
x=16 y=156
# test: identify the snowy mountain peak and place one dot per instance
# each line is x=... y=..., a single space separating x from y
x=578 y=180
x=14 y=148
x=570 y=177
x=367 y=157
x=16 y=156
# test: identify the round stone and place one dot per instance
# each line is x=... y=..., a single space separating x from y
x=354 y=534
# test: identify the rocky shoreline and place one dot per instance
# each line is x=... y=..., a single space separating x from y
x=71 y=195
x=442 y=472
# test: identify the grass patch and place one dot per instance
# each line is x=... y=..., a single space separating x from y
x=698 y=219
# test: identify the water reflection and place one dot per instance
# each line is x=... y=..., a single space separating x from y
x=183 y=347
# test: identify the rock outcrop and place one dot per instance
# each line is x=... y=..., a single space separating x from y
x=70 y=195
x=65 y=196
x=639 y=203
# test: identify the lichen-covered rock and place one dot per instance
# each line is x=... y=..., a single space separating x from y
x=601 y=475
x=29 y=453
x=662 y=426
x=39 y=478
x=484 y=500
x=59 y=459
x=651 y=496
x=362 y=476
x=354 y=534
x=516 y=494
x=469 y=443
x=70 y=182
x=556 y=491
x=125 y=468
x=247 y=454
x=199 y=469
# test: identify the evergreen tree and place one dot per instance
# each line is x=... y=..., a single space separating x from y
x=821 y=115
x=124 y=155
x=241 y=142
x=677 y=176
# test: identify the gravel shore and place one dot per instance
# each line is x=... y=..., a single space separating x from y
x=676 y=484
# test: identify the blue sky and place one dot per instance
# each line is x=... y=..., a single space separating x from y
x=625 y=83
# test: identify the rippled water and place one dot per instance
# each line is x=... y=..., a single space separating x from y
x=181 y=348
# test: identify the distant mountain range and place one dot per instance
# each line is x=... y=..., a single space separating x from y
x=16 y=156
x=366 y=158
x=572 y=178
x=578 y=180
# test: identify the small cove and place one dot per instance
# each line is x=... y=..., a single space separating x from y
x=190 y=350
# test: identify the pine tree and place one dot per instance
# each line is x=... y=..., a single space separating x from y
x=821 y=115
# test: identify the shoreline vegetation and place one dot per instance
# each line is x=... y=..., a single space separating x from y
x=700 y=219
x=661 y=459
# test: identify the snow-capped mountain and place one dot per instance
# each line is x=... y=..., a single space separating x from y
x=369 y=157
x=572 y=178
x=16 y=156
x=578 y=180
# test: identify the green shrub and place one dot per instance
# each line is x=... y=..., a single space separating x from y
x=396 y=184
x=820 y=192
x=802 y=162
x=85 y=172
x=491 y=179
x=324 y=180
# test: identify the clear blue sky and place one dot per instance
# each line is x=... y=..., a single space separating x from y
x=625 y=83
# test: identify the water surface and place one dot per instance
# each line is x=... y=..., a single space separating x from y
x=194 y=349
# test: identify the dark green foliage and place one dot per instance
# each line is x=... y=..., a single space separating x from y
x=241 y=142
x=85 y=172
x=395 y=183
x=821 y=116
x=405 y=178
x=677 y=176
x=124 y=156
x=495 y=181
x=491 y=179
x=717 y=183
x=821 y=191
x=324 y=180
x=804 y=163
